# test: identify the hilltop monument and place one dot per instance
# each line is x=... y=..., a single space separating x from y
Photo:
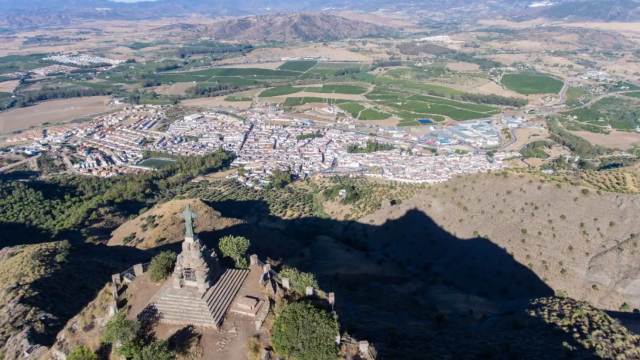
x=195 y=266
x=198 y=293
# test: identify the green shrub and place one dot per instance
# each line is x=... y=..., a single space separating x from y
x=157 y=350
x=299 y=280
x=625 y=307
x=304 y=332
x=119 y=329
x=82 y=353
x=235 y=247
x=162 y=265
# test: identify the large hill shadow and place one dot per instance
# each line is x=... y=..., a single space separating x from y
x=412 y=288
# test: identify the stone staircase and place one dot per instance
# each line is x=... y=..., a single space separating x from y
x=186 y=306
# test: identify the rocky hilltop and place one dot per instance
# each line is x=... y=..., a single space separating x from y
x=294 y=27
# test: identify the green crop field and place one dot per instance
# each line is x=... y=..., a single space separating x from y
x=300 y=66
x=139 y=45
x=532 y=84
x=338 y=89
x=279 y=91
x=418 y=86
x=425 y=109
x=458 y=104
x=352 y=108
x=635 y=94
x=370 y=114
x=246 y=72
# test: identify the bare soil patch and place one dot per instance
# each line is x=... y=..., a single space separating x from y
x=174 y=89
x=52 y=111
x=493 y=88
x=259 y=65
x=462 y=66
x=616 y=139
x=9 y=86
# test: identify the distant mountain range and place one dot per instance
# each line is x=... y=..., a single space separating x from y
x=35 y=13
x=603 y=10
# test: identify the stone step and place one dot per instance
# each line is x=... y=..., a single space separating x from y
x=209 y=309
x=225 y=294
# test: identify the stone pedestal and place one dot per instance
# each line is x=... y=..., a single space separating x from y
x=195 y=266
x=309 y=291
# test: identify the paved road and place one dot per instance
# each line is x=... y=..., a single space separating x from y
x=11 y=166
x=563 y=92
x=515 y=139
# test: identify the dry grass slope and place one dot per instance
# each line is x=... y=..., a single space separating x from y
x=160 y=225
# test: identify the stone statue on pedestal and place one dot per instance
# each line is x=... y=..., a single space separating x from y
x=195 y=266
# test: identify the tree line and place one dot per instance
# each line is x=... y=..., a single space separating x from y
x=370 y=147
x=188 y=51
x=61 y=204
x=210 y=91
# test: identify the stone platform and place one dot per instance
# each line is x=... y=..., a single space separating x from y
x=187 y=306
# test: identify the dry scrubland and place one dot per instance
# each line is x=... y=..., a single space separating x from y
x=161 y=225
x=585 y=245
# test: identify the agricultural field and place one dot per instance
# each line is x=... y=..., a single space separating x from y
x=234 y=99
x=574 y=94
x=614 y=180
x=370 y=114
x=618 y=112
x=52 y=111
x=635 y=94
x=532 y=84
x=281 y=90
x=300 y=66
x=411 y=107
x=338 y=89
x=352 y=108
x=23 y=62
x=338 y=65
x=297 y=101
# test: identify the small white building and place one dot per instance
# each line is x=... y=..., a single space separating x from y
x=193 y=117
